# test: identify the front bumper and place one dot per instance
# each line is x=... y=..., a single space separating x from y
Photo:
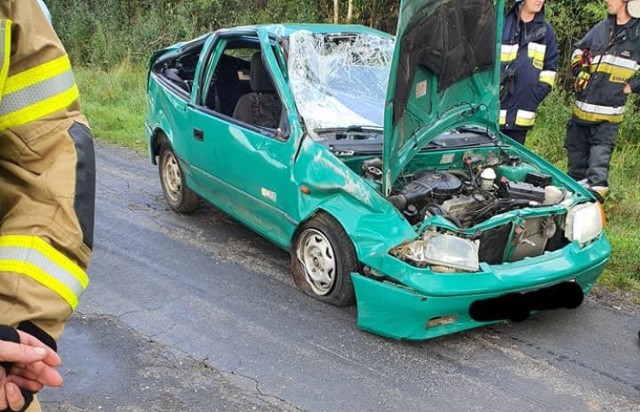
x=397 y=311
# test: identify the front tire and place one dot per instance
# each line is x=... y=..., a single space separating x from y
x=322 y=259
x=179 y=197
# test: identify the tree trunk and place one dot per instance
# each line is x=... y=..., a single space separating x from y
x=350 y=11
x=336 y=11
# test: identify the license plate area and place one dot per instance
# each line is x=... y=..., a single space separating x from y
x=518 y=306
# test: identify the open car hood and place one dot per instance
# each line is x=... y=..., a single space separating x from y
x=444 y=75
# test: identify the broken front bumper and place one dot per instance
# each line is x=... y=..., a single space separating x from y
x=393 y=310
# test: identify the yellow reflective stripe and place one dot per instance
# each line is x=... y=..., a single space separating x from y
x=40 y=276
x=548 y=76
x=594 y=108
x=508 y=52
x=536 y=51
x=503 y=117
x=5 y=52
x=594 y=113
x=37 y=74
x=616 y=74
x=41 y=109
x=525 y=118
x=619 y=69
x=37 y=92
x=31 y=256
x=616 y=61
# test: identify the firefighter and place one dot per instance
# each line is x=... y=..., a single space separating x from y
x=605 y=63
x=47 y=184
x=529 y=58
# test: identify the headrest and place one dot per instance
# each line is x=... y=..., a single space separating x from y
x=260 y=78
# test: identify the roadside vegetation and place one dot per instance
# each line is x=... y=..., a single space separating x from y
x=110 y=42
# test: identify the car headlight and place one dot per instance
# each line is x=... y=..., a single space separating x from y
x=584 y=222
x=440 y=251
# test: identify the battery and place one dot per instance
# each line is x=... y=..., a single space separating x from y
x=523 y=190
x=538 y=179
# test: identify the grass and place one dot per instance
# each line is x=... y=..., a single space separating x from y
x=115 y=102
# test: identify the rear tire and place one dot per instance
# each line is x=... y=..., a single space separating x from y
x=179 y=197
x=322 y=259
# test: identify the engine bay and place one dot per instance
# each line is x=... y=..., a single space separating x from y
x=469 y=195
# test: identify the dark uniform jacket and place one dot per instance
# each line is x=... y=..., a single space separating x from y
x=529 y=57
x=614 y=61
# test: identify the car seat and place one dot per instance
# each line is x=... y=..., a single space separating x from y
x=261 y=107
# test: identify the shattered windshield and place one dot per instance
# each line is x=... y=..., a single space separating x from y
x=340 y=80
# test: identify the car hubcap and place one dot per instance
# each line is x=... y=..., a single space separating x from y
x=318 y=260
x=172 y=177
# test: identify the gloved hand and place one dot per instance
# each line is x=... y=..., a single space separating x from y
x=582 y=80
x=581 y=60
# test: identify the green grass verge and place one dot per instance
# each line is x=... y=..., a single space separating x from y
x=114 y=101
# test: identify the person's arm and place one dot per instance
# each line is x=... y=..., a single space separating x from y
x=633 y=85
x=581 y=56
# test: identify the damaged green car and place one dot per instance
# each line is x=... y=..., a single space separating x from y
x=377 y=161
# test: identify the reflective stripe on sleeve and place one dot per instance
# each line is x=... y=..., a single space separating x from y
x=577 y=54
x=503 y=117
x=595 y=113
x=33 y=257
x=548 y=77
x=5 y=50
x=37 y=92
x=525 y=118
x=508 y=52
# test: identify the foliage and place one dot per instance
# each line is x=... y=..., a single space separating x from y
x=111 y=100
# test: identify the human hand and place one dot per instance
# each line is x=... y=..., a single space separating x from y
x=627 y=88
x=10 y=396
x=34 y=363
x=582 y=80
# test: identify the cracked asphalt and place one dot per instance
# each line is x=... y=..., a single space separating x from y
x=197 y=313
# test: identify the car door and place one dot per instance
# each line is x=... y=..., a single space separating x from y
x=247 y=168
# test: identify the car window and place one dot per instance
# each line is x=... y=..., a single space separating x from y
x=242 y=88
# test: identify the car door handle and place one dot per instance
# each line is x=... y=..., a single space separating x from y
x=198 y=134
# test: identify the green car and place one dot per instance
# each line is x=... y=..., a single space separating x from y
x=377 y=161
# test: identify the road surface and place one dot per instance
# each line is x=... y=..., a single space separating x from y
x=197 y=313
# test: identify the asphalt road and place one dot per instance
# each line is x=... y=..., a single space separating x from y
x=197 y=313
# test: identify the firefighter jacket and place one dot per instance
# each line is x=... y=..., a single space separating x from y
x=47 y=175
x=609 y=60
x=529 y=62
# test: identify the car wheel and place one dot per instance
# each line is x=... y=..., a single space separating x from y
x=322 y=259
x=179 y=197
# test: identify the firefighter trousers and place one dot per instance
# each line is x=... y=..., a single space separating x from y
x=589 y=150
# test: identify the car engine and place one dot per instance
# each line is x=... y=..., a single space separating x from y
x=471 y=196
